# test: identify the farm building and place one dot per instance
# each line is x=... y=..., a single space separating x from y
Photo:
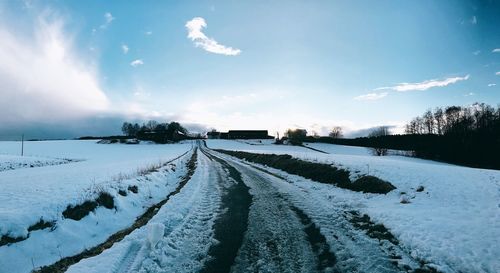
x=239 y=134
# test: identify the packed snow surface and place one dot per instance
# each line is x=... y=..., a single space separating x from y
x=452 y=222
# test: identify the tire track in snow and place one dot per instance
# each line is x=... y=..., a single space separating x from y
x=355 y=252
x=189 y=231
x=231 y=224
x=275 y=240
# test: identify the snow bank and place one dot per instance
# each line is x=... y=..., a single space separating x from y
x=188 y=220
x=31 y=194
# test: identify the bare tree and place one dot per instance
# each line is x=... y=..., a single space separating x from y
x=440 y=121
x=336 y=132
x=428 y=120
x=296 y=136
x=379 y=132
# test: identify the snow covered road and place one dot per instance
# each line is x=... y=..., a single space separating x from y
x=235 y=217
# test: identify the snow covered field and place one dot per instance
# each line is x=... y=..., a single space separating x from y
x=453 y=223
x=12 y=162
x=31 y=194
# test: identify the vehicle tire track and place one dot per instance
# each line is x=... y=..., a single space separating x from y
x=354 y=252
x=187 y=240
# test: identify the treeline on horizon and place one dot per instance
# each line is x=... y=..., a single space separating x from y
x=456 y=134
x=156 y=131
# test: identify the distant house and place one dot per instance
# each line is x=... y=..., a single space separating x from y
x=248 y=134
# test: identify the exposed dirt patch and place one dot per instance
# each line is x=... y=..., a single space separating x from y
x=6 y=240
x=42 y=224
x=371 y=184
x=133 y=189
x=376 y=231
x=106 y=200
x=79 y=211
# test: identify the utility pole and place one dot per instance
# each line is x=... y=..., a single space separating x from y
x=22 y=145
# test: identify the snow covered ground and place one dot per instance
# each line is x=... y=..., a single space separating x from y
x=187 y=220
x=12 y=162
x=453 y=223
x=31 y=194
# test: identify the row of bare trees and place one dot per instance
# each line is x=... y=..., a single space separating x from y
x=455 y=119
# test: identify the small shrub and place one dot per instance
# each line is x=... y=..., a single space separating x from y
x=122 y=192
x=379 y=151
x=133 y=189
x=420 y=188
x=106 y=200
x=372 y=184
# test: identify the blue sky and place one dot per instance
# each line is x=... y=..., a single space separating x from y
x=244 y=64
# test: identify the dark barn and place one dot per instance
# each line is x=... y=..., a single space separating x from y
x=248 y=134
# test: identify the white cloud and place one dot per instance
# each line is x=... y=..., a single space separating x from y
x=148 y=33
x=372 y=96
x=491 y=84
x=469 y=94
x=108 y=17
x=195 y=27
x=473 y=20
x=43 y=79
x=498 y=73
x=496 y=50
x=477 y=52
x=137 y=62
x=420 y=86
x=125 y=48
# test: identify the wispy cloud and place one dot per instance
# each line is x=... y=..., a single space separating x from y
x=420 y=86
x=469 y=94
x=477 y=52
x=43 y=78
x=108 y=17
x=136 y=63
x=491 y=84
x=496 y=50
x=372 y=96
x=498 y=73
x=125 y=48
x=195 y=27
x=148 y=32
